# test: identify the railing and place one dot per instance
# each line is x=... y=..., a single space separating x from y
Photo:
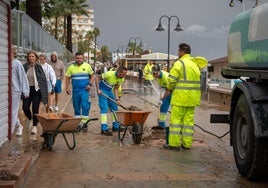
x=28 y=35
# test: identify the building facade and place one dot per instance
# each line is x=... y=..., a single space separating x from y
x=5 y=71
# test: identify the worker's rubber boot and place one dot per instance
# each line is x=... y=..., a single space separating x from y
x=167 y=133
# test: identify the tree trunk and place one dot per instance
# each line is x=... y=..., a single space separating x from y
x=33 y=9
x=64 y=30
x=56 y=28
x=69 y=44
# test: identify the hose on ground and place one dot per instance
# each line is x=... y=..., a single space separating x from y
x=204 y=130
x=208 y=132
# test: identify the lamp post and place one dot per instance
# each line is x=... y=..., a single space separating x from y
x=95 y=50
x=123 y=49
x=160 y=28
x=134 y=40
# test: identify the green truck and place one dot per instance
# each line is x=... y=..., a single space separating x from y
x=248 y=116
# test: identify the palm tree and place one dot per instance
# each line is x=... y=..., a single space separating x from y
x=53 y=9
x=134 y=47
x=78 y=7
x=96 y=33
x=89 y=39
x=66 y=8
x=105 y=53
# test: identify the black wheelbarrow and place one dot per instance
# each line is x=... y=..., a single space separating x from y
x=60 y=123
x=133 y=120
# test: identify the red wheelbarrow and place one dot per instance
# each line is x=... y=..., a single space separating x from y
x=55 y=123
x=133 y=119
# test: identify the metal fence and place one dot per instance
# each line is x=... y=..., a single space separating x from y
x=28 y=35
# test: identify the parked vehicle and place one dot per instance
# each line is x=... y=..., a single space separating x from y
x=248 y=117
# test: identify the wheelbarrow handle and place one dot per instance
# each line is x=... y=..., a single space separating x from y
x=114 y=101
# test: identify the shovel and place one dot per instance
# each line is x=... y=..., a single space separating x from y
x=125 y=108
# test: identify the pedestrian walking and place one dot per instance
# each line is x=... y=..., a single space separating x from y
x=20 y=85
x=104 y=84
x=82 y=77
x=59 y=70
x=38 y=89
x=140 y=74
x=162 y=79
x=184 y=83
x=51 y=79
x=148 y=77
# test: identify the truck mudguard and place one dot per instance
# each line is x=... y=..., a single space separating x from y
x=257 y=98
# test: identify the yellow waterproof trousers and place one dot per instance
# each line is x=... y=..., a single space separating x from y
x=181 y=128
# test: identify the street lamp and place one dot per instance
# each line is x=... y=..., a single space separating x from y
x=123 y=49
x=160 y=28
x=231 y=4
x=95 y=50
x=134 y=41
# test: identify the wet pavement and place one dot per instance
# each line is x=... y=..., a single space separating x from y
x=99 y=161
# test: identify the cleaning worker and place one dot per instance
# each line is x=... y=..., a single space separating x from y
x=82 y=77
x=184 y=83
x=120 y=91
x=148 y=77
x=104 y=84
x=162 y=79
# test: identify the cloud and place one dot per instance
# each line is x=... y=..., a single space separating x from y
x=205 y=32
x=196 y=29
x=222 y=30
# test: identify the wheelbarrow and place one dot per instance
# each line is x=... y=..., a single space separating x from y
x=60 y=123
x=133 y=117
x=134 y=120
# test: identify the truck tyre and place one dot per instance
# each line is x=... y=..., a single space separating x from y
x=250 y=152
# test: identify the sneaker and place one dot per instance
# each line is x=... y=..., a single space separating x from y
x=165 y=146
x=19 y=130
x=107 y=133
x=50 y=109
x=34 y=130
x=56 y=108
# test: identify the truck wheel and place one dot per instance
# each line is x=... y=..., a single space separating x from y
x=249 y=151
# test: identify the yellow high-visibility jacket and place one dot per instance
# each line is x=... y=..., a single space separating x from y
x=148 y=73
x=184 y=81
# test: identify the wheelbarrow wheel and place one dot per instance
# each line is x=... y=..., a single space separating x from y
x=49 y=140
x=137 y=131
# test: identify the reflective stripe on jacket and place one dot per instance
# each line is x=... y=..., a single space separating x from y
x=184 y=81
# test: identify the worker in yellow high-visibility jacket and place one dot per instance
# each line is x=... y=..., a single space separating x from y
x=148 y=77
x=184 y=83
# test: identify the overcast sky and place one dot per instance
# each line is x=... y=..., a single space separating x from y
x=205 y=24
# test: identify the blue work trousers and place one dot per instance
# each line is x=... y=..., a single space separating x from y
x=106 y=104
x=163 y=111
x=81 y=103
